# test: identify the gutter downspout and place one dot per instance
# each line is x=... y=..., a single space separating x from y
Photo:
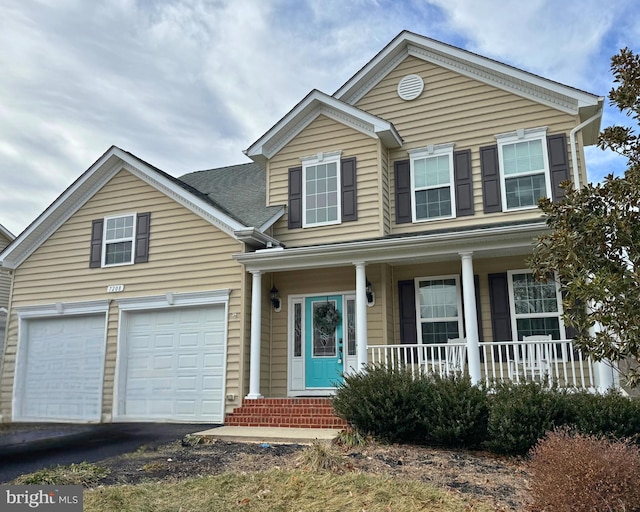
x=574 y=151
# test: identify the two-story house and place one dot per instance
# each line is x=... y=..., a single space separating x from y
x=404 y=206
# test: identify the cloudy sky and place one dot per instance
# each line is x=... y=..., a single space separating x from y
x=189 y=84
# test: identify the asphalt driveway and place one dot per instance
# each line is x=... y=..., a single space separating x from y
x=27 y=448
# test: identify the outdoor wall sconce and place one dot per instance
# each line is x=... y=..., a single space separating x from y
x=371 y=299
x=275 y=299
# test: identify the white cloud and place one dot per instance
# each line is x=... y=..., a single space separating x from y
x=189 y=84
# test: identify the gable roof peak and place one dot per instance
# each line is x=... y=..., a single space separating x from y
x=523 y=83
x=307 y=110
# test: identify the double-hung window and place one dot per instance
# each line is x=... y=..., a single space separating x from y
x=432 y=182
x=321 y=189
x=119 y=236
x=524 y=168
x=536 y=307
x=439 y=309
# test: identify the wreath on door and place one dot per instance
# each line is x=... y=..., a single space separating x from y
x=326 y=318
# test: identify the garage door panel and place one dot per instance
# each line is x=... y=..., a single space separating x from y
x=181 y=366
x=61 y=363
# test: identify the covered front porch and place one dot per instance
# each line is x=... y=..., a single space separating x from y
x=441 y=302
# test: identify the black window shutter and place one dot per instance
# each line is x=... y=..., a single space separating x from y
x=349 y=192
x=407 y=299
x=500 y=311
x=295 y=198
x=558 y=164
x=95 y=257
x=402 y=172
x=490 y=169
x=142 y=237
x=463 y=182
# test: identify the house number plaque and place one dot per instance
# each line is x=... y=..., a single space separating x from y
x=115 y=288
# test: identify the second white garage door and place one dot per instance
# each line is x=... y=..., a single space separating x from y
x=173 y=364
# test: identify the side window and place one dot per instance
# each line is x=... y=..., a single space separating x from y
x=439 y=309
x=536 y=307
x=321 y=203
x=120 y=240
x=524 y=168
x=432 y=182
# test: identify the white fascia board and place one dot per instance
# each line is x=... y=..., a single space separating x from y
x=482 y=242
x=5 y=232
x=274 y=218
x=186 y=199
x=503 y=76
x=313 y=105
x=92 y=180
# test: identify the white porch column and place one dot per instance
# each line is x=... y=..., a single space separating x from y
x=470 y=317
x=256 y=321
x=361 y=314
x=603 y=370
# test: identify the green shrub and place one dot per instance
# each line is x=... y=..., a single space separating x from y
x=392 y=404
x=381 y=401
x=454 y=413
x=611 y=415
x=580 y=473
x=520 y=414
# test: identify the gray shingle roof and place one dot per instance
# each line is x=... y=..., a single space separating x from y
x=239 y=190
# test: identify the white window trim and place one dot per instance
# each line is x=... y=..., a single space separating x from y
x=309 y=161
x=512 y=306
x=523 y=135
x=132 y=239
x=460 y=318
x=428 y=152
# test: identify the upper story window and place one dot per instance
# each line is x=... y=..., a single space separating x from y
x=321 y=189
x=432 y=182
x=120 y=240
x=524 y=168
x=118 y=244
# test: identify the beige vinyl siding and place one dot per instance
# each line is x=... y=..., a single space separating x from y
x=326 y=135
x=5 y=286
x=186 y=254
x=460 y=110
x=5 y=279
x=385 y=191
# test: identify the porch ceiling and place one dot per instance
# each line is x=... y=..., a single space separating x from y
x=483 y=242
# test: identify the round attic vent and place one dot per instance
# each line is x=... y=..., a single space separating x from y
x=410 y=87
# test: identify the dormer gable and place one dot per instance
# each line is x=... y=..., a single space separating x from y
x=317 y=103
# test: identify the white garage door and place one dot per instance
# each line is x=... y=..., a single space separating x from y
x=60 y=369
x=173 y=365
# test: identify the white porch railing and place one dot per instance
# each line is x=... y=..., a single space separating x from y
x=555 y=362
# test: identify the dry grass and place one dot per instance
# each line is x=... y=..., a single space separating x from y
x=84 y=473
x=280 y=490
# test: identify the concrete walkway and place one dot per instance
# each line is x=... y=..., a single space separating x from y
x=269 y=434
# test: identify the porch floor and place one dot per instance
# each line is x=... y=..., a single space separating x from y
x=286 y=435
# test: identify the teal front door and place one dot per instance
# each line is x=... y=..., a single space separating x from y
x=323 y=351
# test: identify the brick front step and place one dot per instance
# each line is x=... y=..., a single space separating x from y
x=285 y=412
